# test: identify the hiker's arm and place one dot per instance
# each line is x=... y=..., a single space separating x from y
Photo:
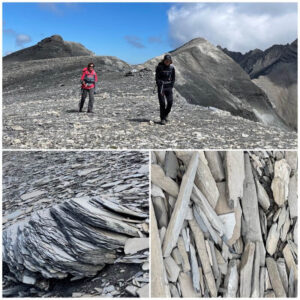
x=96 y=77
x=173 y=77
x=82 y=78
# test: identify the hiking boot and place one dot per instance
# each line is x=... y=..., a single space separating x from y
x=163 y=122
x=90 y=112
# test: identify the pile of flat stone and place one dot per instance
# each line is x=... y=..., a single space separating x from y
x=224 y=224
x=70 y=215
x=77 y=237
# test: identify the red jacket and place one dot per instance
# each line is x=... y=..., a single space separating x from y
x=90 y=78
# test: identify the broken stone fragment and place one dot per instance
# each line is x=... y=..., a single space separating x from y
x=216 y=165
x=235 y=175
x=181 y=206
x=246 y=268
x=289 y=260
x=222 y=264
x=280 y=183
x=279 y=191
x=160 y=156
x=237 y=227
x=286 y=226
x=186 y=286
x=33 y=194
x=203 y=180
x=186 y=264
x=159 y=178
x=136 y=244
x=283 y=274
x=262 y=196
x=131 y=290
x=200 y=200
x=229 y=223
x=159 y=281
x=231 y=280
x=262 y=280
x=255 y=272
x=272 y=240
x=143 y=292
x=251 y=229
x=195 y=269
x=174 y=291
x=291 y=158
x=160 y=211
x=177 y=256
x=275 y=277
x=293 y=195
x=222 y=206
x=156 y=191
x=171 y=164
x=171 y=268
x=204 y=258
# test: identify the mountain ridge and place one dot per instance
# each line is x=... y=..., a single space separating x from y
x=275 y=72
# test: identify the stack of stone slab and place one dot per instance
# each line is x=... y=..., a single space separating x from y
x=224 y=224
x=50 y=235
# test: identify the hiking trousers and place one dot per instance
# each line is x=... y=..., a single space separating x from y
x=165 y=102
x=83 y=97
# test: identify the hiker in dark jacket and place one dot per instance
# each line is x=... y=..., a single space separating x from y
x=88 y=80
x=165 y=79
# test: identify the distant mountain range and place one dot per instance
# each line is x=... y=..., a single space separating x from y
x=275 y=72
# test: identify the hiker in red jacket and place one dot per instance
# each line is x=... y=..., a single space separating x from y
x=88 y=80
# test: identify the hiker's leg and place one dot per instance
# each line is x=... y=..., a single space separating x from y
x=162 y=105
x=91 y=100
x=83 y=96
x=169 y=97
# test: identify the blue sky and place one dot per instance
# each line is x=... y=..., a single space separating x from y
x=136 y=32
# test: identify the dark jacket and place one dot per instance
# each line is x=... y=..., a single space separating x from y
x=165 y=75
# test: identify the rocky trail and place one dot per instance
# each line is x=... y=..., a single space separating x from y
x=75 y=224
x=40 y=111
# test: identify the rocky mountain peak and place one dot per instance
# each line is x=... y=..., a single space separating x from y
x=51 y=47
x=53 y=38
x=200 y=43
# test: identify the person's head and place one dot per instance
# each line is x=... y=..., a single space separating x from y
x=90 y=66
x=167 y=59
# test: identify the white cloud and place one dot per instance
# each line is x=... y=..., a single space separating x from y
x=22 y=39
x=236 y=26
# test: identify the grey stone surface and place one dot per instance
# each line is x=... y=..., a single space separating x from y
x=251 y=230
x=246 y=269
x=181 y=206
x=235 y=175
x=159 y=178
x=275 y=278
x=216 y=165
x=220 y=251
x=78 y=225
